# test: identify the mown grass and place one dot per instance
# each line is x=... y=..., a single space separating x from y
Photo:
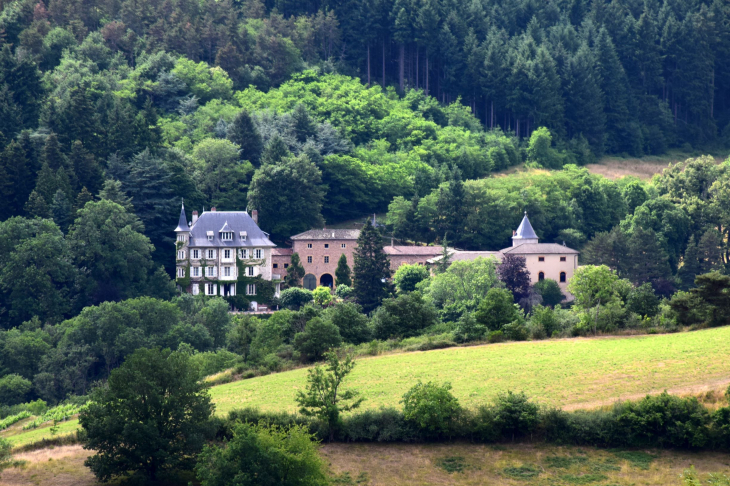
x=569 y=373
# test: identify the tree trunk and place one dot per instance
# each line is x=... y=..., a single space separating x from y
x=401 y=66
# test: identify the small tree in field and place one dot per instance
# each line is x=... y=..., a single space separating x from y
x=432 y=407
x=323 y=398
x=151 y=419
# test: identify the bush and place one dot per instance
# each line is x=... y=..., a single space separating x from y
x=497 y=309
x=550 y=292
x=322 y=296
x=210 y=363
x=318 y=337
x=432 y=408
x=14 y=389
x=350 y=320
x=295 y=297
x=643 y=301
x=514 y=415
x=468 y=329
x=384 y=425
x=403 y=316
x=408 y=276
x=5 y=454
x=263 y=455
x=343 y=291
x=515 y=331
x=543 y=318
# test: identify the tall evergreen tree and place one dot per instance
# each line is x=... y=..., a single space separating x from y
x=275 y=151
x=295 y=273
x=584 y=100
x=342 y=272
x=37 y=206
x=86 y=168
x=61 y=210
x=243 y=132
x=113 y=191
x=371 y=269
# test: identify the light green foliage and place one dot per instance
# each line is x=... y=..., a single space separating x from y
x=295 y=297
x=408 y=276
x=57 y=414
x=462 y=286
x=432 y=407
x=261 y=455
x=592 y=287
x=322 y=296
x=497 y=309
x=204 y=81
x=220 y=175
x=11 y=419
x=324 y=397
x=540 y=151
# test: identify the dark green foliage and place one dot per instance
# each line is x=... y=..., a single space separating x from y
x=497 y=309
x=371 y=268
x=294 y=297
x=244 y=133
x=14 y=389
x=643 y=301
x=342 y=272
x=151 y=419
x=515 y=415
x=550 y=292
x=714 y=290
x=403 y=316
x=37 y=206
x=408 y=276
x=263 y=455
x=468 y=329
x=295 y=272
x=61 y=210
x=351 y=322
x=432 y=408
x=318 y=337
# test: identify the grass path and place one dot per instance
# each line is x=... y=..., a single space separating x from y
x=569 y=373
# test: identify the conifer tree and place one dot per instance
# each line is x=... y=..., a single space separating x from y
x=275 y=151
x=37 y=206
x=304 y=125
x=295 y=272
x=46 y=183
x=86 y=168
x=83 y=197
x=371 y=269
x=61 y=210
x=584 y=100
x=112 y=191
x=342 y=273
x=18 y=178
x=647 y=259
x=243 y=132
x=10 y=113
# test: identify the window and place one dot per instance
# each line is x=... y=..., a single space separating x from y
x=541 y=276
x=562 y=276
x=258 y=253
x=227 y=235
x=180 y=272
x=309 y=245
x=210 y=236
x=327 y=259
x=210 y=271
x=211 y=254
x=226 y=271
x=196 y=271
x=181 y=255
x=251 y=289
x=181 y=238
x=276 y=265
x=286 y=265
x=226 y=254
x=562 y=259
x=540 y=259
x=196 y=254
x=244 y=254
x=250 y=271
x=326 y=245
x=309 y=259
x=344 y=245
x=196 y=289
x=243 y=235
x=210 y=289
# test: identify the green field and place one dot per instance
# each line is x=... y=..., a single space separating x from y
x=570 y=373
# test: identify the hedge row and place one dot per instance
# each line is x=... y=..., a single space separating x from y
x=663 y=421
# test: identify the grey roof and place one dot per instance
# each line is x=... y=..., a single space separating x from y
x=328 y=234
x=413 y=250
x=226 y=227
x=541 y=249
x=525 y=231
x=237 y=221
x=182 y=224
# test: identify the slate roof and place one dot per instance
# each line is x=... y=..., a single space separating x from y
x=328 y=234
x=282 y=252
x=540 y=248
x=413 y=250
x=525 y=231
x=237 y=221
x=182 y=224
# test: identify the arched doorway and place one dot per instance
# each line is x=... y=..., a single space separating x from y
x=309 y=282
x=326 y=280
x=541 y=276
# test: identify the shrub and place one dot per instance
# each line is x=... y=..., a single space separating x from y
x=343 y=291
x=350 y=320
x=210 y=363
x=514 y=415
x=13 y=389
x=432 y=408
x=403 y=316
x=322 y=296
x=468 y=329
x=295 y=297
x=516 y=331
x=643 y=301
x=550 y=292
x=5 y=454
x=497 y=309
x=318 y=337
x=543 y=318
x=408 y=276
x=384 y=425
x=263 y=455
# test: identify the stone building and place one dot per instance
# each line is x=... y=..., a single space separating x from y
x=212 y=247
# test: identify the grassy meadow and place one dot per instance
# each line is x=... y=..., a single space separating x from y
x=569 y=373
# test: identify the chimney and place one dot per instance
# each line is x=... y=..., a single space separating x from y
x=195 y=216
x=212 y=210
x=255 y=216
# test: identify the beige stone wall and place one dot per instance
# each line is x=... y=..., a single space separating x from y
x=551 y=268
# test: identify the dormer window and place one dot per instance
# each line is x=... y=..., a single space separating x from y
x=243 y=235
x=210 y=235
x=226 y=235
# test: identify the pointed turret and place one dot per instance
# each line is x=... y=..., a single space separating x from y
x=524 y=233
x=182 y=224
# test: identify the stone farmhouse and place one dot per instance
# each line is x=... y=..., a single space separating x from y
x=220 y=250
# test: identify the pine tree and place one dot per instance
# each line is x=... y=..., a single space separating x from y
x=112 y=191
x=61 y=210
x=371 y=269
x=63 y=182
x=275 y=151
x=342 y=272
x=46 y=183
x=691 y=265
x=304 y=125
x=584 y=100
x=83 y=197
x=295 y=273
x=647 y=259
x=86 y=168
x=10 y=113
x=52 y=154
x=243 y=132
x=710 y=251
x=37 y=206
x=18 y=177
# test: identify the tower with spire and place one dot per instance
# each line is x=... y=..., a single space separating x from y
x=525 y=233
x=183 y=229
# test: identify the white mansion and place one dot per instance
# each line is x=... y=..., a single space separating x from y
x=212 y=248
